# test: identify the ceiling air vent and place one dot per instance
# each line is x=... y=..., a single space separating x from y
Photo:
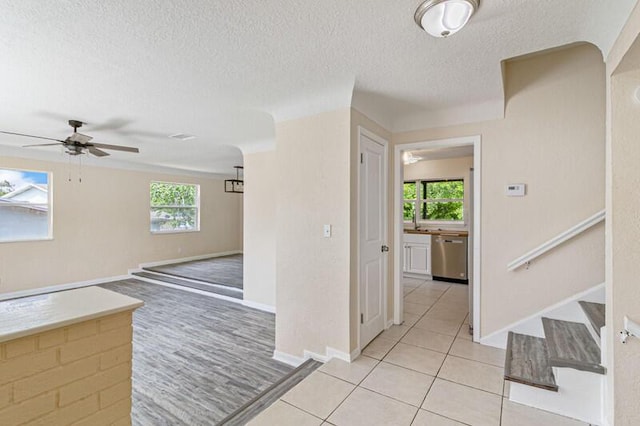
x=182 y=136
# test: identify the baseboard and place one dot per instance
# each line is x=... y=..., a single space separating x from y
x=334 y=353
x=189 y=259
x=417 y=276
x=288 y=359
x=498 y=338
x=330 y=353
x=259 y=306
x=354 y=354
x=61 y=287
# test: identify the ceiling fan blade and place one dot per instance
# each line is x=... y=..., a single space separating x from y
x=41 y=144
x=116 y=147
x=80 y=138
x=97 y=152
x=31 y=136
x=111 y=124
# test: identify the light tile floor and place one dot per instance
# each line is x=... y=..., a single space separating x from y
x=426 y=371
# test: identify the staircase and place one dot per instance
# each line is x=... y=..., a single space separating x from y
x=561 y=372
x=232 y=294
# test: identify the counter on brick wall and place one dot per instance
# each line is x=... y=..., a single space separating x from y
x=65 y=358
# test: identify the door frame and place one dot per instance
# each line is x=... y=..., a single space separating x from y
x=474 y=141
x=385 y=230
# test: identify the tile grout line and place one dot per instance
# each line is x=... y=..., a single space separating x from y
x=294 y=406
x=448 y=354
x=438 y=372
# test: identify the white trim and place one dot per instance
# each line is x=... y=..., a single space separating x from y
x=476 y=142
x=334 y=353
x=61 y=287
x=288 y=359
x=578 y=396
x=385 y=202
x=190 y=258
x=330 y=353
x=354 y=354
x=498 y=338
x=259 y=306
x=557 y=240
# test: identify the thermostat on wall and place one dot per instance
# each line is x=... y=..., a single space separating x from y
x=516 y=190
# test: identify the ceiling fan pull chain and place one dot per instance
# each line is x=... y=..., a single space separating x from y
x=80 y=168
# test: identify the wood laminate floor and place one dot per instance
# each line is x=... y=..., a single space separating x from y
x=196 y=359
x=225 y=270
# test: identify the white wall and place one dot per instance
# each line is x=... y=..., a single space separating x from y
x=552 y=139
x=313 y=184
x=101 y=227
x=623 y=226
x=260 y=192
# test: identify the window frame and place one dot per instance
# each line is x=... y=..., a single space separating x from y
x=410 y=201
x=421 y=199
x=197 y=208
x=49 y=206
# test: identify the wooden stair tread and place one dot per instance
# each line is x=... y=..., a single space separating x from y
x=229 y=292
x=595 y=312
x=571 y=345
x=527 y=362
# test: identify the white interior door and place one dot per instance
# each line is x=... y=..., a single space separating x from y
x=373 y=239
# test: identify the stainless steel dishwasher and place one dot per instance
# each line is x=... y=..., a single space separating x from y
x=449 y=258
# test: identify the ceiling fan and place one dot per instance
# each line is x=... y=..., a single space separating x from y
x=77 y=143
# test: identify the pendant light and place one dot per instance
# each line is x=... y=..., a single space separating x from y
x=442 y=18
x=235 y=185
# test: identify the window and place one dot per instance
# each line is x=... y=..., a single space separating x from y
x=25 y=205
x=175 y=207
x=438 y=200
x=443 y=200
x=410 y=198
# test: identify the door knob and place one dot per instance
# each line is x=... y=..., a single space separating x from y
x=385 y=248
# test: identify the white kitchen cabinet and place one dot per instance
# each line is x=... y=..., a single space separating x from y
x=417 y=254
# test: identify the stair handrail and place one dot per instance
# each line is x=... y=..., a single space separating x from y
x=557 y=240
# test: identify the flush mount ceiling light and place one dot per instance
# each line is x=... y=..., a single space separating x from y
x=441 y=18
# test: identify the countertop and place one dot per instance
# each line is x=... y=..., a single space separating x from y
x=36 y=314
x=452 y=233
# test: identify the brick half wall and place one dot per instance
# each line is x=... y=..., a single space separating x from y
x=76 y=375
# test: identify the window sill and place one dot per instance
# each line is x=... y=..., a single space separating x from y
x=32 y=240
x=175 y=232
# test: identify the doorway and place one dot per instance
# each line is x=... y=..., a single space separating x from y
x=474 y=224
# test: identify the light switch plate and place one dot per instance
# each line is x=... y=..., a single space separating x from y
x=515 y=190
x=326 y=231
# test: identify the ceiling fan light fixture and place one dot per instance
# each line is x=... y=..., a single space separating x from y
x=442 y=18
x=409 y=158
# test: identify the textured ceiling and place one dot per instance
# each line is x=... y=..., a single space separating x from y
x=138 y=71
